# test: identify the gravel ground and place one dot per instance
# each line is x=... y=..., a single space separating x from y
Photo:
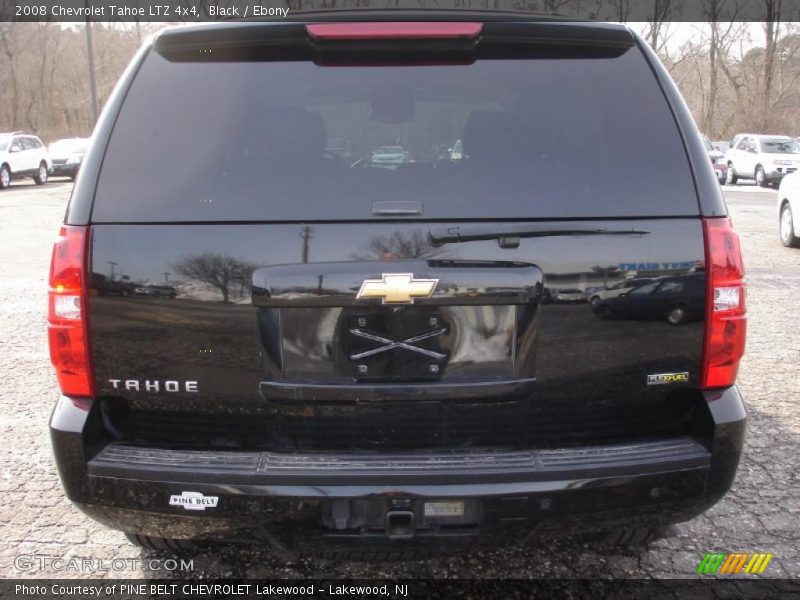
x=760 y=514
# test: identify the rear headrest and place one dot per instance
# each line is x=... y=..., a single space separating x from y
x=502 y=136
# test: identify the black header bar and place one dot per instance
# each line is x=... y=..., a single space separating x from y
x=196 y=11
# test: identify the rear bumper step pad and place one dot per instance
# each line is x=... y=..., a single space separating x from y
x=462 y=466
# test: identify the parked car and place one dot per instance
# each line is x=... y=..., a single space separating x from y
x=615 y=290
x=22 y=155
x=144 y=290
x=717 y=160
x=569 y=295
x=66 y=156
x=765 y=158
x=789 y=210
x=151 y=289
x=677 y=300
x=591 y=290
x=340 y=148
x=385 y=381
x=722 y=145
x=389 y=156
x=164 y=291
x=102 y=285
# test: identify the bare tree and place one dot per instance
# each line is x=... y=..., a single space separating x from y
x=559 y=6
x=787 y=73
x=413 y=244
x=44 y=76
x=657 y=30
x=732 y=82
x=10 y=61
x=711 y=10
x=620 y=10
x=720 y=36
x=772 y=24
x=217 y=270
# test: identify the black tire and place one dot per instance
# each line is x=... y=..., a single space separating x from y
x=788 y=237
x=677 y=315
x=5 y=177
x=732 y=178
x=158 y=544
x=761 y=177
x=41 y=177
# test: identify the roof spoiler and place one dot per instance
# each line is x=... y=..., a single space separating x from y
x=381 y=42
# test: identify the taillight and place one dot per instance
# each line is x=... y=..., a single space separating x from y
x=67 y=320
x=726 y=321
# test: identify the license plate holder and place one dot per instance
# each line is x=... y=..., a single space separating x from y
x=407 y=343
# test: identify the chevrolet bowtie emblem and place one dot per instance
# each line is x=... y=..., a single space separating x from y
x=397 y=288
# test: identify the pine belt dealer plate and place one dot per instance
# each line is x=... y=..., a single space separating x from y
x=444 y=509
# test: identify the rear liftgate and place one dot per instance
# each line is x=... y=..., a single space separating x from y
x=388 y=333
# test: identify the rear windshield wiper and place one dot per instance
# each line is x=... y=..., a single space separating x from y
x=509 y=235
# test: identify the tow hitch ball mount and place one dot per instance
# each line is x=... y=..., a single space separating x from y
x=400 y=524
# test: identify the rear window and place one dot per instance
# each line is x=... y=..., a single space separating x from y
x=780 y=146
x=272 y=141
x=69 y=146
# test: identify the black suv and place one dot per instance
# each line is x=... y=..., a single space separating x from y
x=363 y=356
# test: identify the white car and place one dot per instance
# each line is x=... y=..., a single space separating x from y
x=389 y=156
x=22 y=155
x=765 y=158
x=570 y=295
x=622 y=287
x=789 y=210
x=66 y=156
